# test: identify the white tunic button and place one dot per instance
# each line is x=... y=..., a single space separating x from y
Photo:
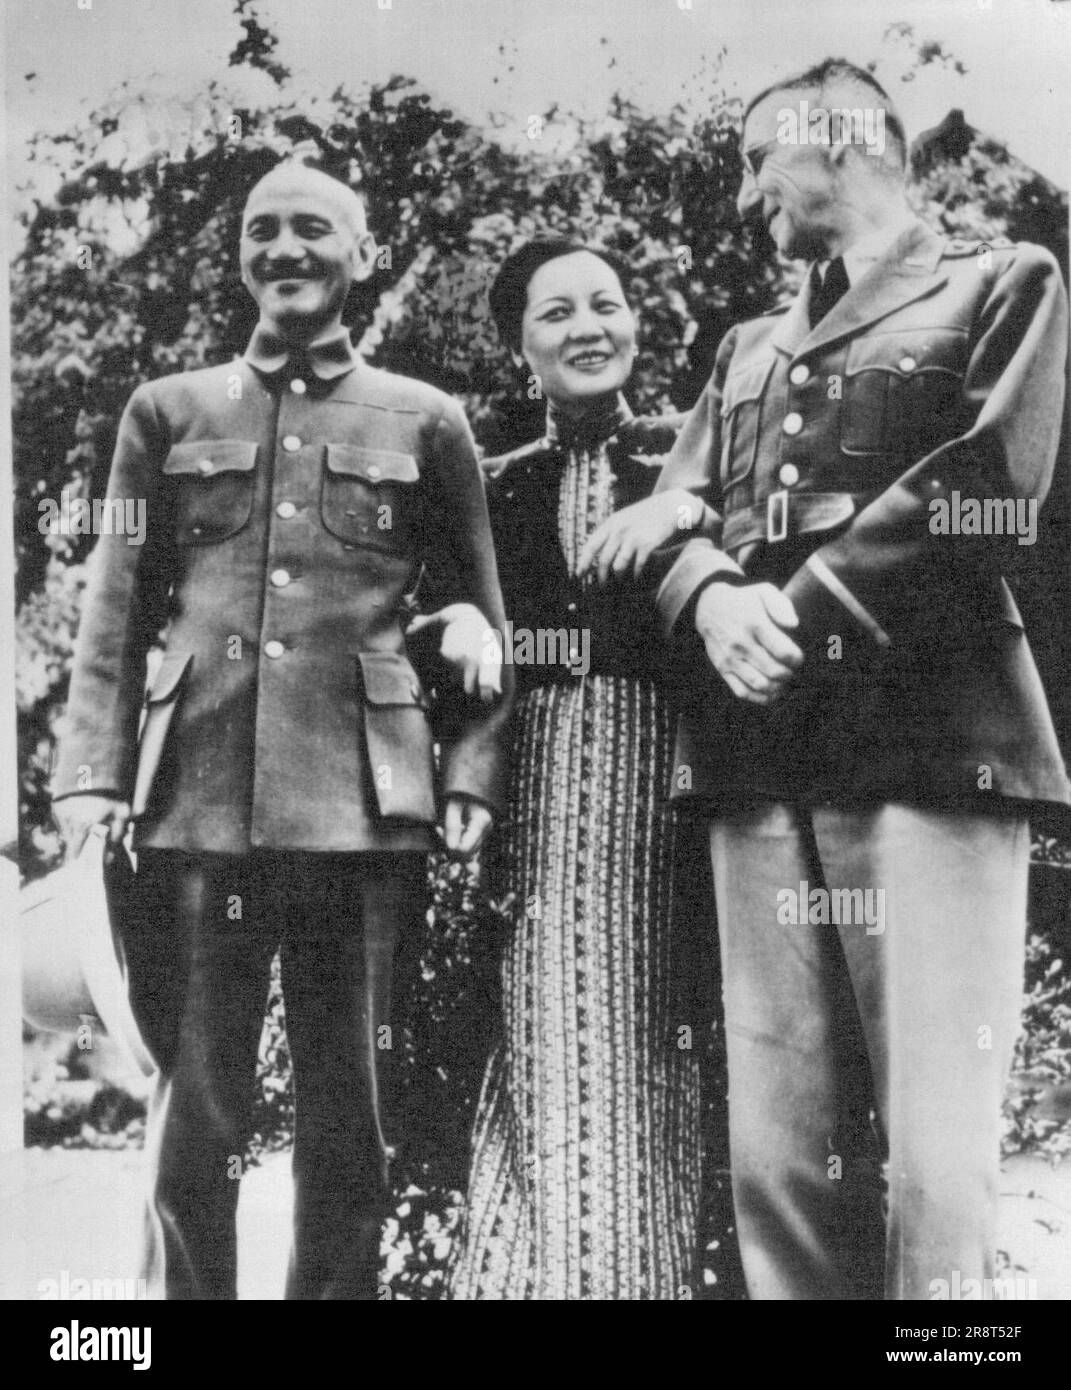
x=205 y=466
x=273 y=649
x=799 y=374
x=907 y=364
x=374 y=470
x=280 y=578
x=291 y=443
x=789 y=475
x=286 y=510
x=298 y=386
x=793 y=422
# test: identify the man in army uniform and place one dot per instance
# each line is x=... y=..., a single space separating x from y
x=877 y=725
x=283 y=790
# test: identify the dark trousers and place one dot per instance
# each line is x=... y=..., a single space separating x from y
x=199 y=946
x=914 y=1022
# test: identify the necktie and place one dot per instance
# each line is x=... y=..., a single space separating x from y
x=825 y=293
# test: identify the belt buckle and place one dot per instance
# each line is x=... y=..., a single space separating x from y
x=777 y=516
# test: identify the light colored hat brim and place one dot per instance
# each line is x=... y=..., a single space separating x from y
x=72 y=956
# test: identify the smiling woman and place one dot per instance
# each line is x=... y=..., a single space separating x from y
x=585 y=1175
x=576 y=330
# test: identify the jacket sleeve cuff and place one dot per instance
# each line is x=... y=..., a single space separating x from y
x=461 y=795
x=699 y=564
x=475 y=773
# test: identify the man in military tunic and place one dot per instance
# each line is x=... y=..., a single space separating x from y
x=283 y=790
x=876 y=735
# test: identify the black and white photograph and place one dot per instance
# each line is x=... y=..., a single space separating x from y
x=537 y=562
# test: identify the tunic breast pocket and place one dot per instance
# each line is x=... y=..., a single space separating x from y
x=212 y=483
x=901 y=390
x=369 y=497
x=741 y=418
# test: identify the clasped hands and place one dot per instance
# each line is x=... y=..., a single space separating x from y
x=744 y=627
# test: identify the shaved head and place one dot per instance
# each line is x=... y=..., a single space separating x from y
x=294 y=178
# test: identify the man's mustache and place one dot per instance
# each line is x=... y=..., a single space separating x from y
x=287 y=270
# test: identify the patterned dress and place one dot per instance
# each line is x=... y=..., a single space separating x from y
x=585 y=1179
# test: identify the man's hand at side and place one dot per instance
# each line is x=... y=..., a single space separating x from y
x=76 y=816
x=465 y=826
x=745 y=631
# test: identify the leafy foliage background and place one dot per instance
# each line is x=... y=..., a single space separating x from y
x=128 y=271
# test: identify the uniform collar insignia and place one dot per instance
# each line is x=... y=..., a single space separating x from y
x=328 y=357
x=907 y=270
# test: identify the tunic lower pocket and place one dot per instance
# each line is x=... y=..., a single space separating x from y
x=398 y=737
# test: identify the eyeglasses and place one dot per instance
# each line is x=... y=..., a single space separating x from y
x=753 y=158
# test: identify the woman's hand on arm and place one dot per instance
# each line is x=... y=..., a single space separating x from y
x=625 y=541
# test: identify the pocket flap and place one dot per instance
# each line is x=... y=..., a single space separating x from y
x=372 y=465
x=389 y=679
x=904 y=354
x=745 y=385
x=169 y=677
x=209 y=456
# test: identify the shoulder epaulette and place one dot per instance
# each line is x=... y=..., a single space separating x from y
x=956 y=247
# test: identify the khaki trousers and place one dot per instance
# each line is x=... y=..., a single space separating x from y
x=828 y=1024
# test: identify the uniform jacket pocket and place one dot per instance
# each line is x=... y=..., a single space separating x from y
x=213 y=488
x=398 y=737
x=369 y=497
x=899 y=387
x=161 y=705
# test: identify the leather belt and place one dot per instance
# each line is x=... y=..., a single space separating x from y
x=785 y=514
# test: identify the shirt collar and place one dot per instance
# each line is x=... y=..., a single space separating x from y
x=327 y=357
x=868 y=249
x=587 y=431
